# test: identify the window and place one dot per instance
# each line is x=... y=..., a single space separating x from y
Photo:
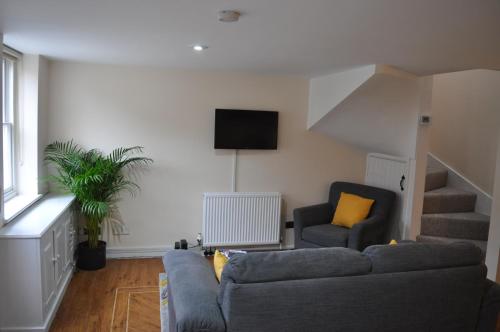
x=19 y=125
x=8 y=110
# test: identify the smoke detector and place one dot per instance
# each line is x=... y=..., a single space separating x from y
x=229 y=16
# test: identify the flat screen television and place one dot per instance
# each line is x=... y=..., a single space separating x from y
x=244 y=129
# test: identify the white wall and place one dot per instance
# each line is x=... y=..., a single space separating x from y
x=42 y=130
x=466 y=119
x=492 y=251
x=420 y=162
x=32 y=124
x=171 y=113
x=379 y=116
x=465 y=135
x=27 y=125
x=1 y=140
x=326 y=92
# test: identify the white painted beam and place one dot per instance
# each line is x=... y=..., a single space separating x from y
x=326 y=92
x=492 y=251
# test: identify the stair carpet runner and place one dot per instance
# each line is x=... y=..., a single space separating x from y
x=448 y=213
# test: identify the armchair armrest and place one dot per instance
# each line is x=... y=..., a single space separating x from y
x=366 y=233
x=490 y=307
x=309 y=216
x=192 y=293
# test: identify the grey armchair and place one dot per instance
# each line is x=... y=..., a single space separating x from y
x=313 y=228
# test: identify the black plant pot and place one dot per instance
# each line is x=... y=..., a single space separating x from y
x=91 y=258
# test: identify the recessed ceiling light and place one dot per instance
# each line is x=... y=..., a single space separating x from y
x=199 y=48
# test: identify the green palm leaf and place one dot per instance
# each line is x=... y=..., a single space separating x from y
x=95 y=179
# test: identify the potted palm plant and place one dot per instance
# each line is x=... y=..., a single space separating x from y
x=96 y=180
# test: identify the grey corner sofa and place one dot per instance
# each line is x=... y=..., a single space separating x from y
x=313 y=228
x=409 y=287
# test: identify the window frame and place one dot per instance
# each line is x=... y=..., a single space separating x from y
x=9 y=54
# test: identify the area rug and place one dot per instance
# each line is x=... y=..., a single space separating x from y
x=135 y=308
x=163 y=302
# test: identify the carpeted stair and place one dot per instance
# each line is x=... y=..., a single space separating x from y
x=448 y=200
x=448 y=213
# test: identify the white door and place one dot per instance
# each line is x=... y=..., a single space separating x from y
x=392 y=173
x=60 y=248
x=48 y=268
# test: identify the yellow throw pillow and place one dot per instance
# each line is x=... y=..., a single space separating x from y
x=351 y=209
x=393 y=242
x=220 y=261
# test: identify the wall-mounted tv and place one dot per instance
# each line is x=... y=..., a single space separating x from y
x=244 y=129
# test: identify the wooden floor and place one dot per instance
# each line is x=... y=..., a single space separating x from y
x=123 y=296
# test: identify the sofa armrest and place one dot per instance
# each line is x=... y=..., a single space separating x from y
x=366 y=233
x=490 y=308
x=311 y=215
x=193 y=293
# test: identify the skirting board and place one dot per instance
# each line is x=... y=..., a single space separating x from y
x=133 y=252
x=159 y=251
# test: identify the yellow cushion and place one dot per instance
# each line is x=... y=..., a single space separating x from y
x=351 y=209
x=220 y=261
x=393 y=242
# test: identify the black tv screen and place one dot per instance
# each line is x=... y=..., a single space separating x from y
x=242 y=129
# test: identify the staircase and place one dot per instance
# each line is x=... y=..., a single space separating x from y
x=448 y=213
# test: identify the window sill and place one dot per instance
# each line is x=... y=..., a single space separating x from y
x=16 y=205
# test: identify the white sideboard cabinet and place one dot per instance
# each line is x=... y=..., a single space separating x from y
x=37 y=252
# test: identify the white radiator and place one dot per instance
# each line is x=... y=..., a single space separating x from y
x=236 y=219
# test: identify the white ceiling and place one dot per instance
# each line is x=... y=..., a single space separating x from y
x=303 y=37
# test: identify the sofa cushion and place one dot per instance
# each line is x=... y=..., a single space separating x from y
x=299 y=264
x=351 y=209
x=295 y=264
x=220 y=260
x=327 y=235
x=421 y=256
x=442 y=300
x=193 y=292
x=490 y=307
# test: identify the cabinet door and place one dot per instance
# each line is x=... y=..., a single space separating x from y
x=48 y=268
x=59 y=242
x=69 y=232
x=74 y=221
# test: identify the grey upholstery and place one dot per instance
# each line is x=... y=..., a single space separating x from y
x=292 y=265
x=323 y=234
x=295 y=264
x=339 y=289
x=375 y=302
x=326 y=235
x=192 y=295
x=414 y=257
x=490 y=307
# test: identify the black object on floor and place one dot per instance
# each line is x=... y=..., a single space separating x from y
x=91 y=258
x=208 y=252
